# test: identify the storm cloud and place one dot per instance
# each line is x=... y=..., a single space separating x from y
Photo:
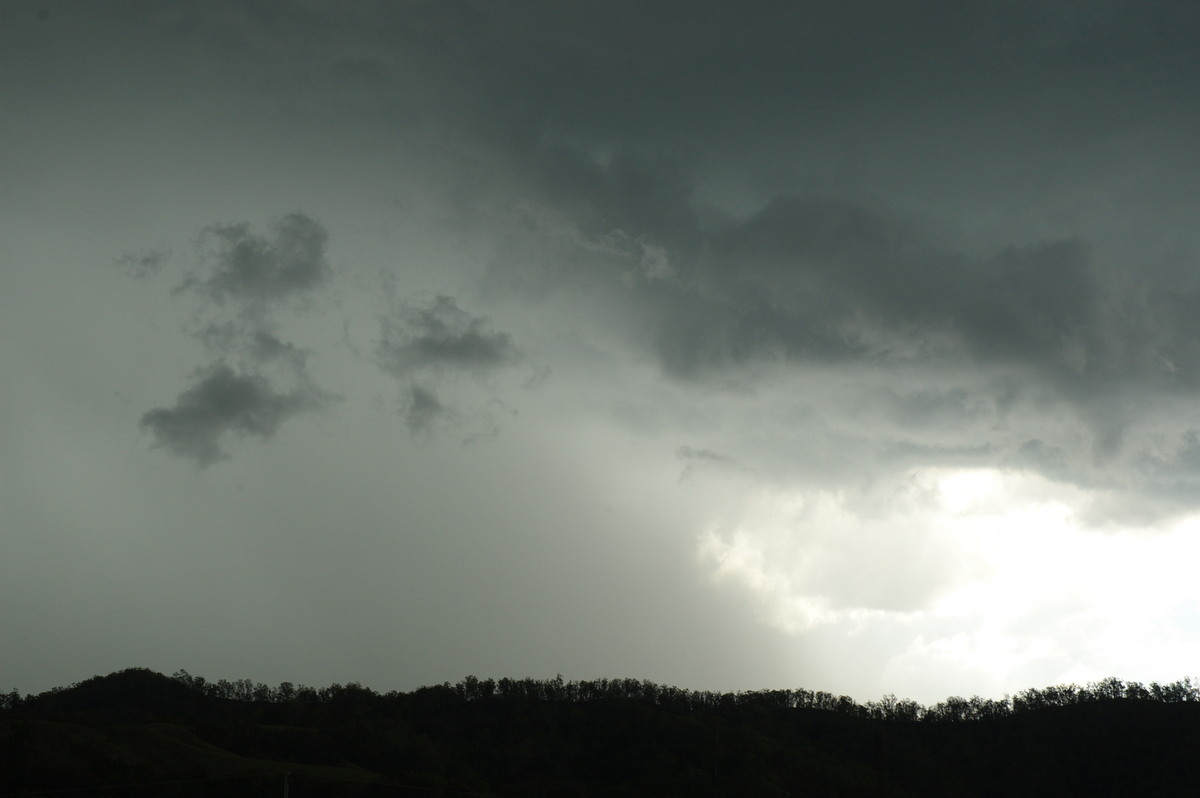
x=1001 y=342
x=872 y=330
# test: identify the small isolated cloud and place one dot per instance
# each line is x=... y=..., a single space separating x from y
x=695 y=459
x=145 y=264
x=443 y=337
x=436 y=344
x=255 y=269
x=263 y=348
x=422 y=408
x=222 y=402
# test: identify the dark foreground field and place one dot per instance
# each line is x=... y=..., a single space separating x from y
x=139 y=733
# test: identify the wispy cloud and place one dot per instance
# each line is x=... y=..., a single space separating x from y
x=442 y=337
x=249 y=268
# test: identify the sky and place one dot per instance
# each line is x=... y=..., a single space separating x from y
x=852 y=346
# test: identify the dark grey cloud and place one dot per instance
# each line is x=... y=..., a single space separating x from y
x=998 y=103
x=811 y=278
x=221 y=403
x=978 y=206
x=962 y=354
x=441 y=337
x=624 y=69
x=854 y=286
x=992 y=106
x=250 y=268
x=833 y=280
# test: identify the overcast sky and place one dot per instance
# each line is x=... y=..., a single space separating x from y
x=852 y=346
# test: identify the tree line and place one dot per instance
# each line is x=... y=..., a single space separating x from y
x=558 y=690
x=889 y=708
x=602 y=737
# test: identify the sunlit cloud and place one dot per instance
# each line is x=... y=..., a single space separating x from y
x=1024 y=590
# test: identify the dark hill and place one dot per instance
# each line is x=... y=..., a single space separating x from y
x=140 y=733
x=136 y=695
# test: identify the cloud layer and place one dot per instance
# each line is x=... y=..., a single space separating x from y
x=844 y=345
